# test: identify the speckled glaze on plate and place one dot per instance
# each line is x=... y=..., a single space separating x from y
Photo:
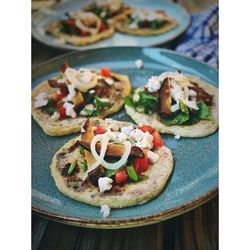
x=195 y=175
x=42 y=19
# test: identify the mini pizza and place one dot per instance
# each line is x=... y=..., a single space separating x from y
x=113 y=164
x=60 y=105
x=108 y=9
x=81 y=28
x=175 y=104
x=146 y=22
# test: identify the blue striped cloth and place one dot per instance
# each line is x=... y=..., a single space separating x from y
x=201 y=38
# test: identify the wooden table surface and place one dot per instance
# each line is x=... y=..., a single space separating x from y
x=197 y=229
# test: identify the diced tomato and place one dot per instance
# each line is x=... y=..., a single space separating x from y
x=141 y=164
x=60 y=96
x=100 y=131
x=64 y=67
x=84 y=33
x=103 y=27
x=147 y=128
x=105 y=71
x=61 y=110
x=157 y=141
x=121 y=176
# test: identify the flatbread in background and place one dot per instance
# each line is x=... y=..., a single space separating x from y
x=72 y=125
x=129 y=194
x=200 y=129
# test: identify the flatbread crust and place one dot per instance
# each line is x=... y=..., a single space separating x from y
x=200 y=129
x=122 y=26
x=77 y=40
x=129 y=195
x=73 y=125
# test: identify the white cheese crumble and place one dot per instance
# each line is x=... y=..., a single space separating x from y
x=136 y=97
x=133 y=25
x=41 y=100
x=146 y=142
x=121 y=137
x=175 y=107
x=153 y=84
x=109 y=81
x=105 y=210
x=69 y=109
x=55 y=116
x=92 y=91
x=60 y=81
x=83 y=130
x=127 y=130
x=105 y=184
x=137 y=134
x=145 y=15
x=139 y=63
x=192 y=93
x=153 y=157
x=72 y=92
x=177 y=137
x=86 y=76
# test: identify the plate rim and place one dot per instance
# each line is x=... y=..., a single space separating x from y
x=83 y=48
x=136 y=221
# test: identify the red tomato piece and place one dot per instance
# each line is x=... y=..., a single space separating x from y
x=61 y=110
x=141 y=164
x=147 y=128
x=100 y=131
x=84 y=33
x=157 y=141
x=64 y=67
x=103 y=27
x=105 y=71
x=121 y=176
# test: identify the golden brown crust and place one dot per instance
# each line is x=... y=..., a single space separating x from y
x=72 y=125
x=200 y=129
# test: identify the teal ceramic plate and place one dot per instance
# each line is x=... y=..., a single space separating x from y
x=42 y=19
x=195 y=176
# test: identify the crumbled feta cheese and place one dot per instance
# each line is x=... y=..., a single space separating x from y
x=69 y=109
x=139 y=63
x=109 y=81
x=104 y=99
x=60 y=81
x=121 y=137
x=147 y=140
x=92 y=91
x=175 y=107
x=177 y=137
x=55 y=116
x=192 y=93
x=153 y=157
x=83 y=130
x=153 y=84
x=145 y=15
x=72 y=92
x=41 y=100
x=136 y=97
x=111 y=134
x=137 y=134
x=127 y=130
x=104 y=183
x=105 y=210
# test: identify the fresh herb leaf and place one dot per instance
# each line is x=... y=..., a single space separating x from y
x=129 y=101
x=88 y=97
x=183 y=107
x=84 y=165
x=142 y=177
x=179 y=118
x=50 y=108
x=81 y=149
x=148 y=102
x=72 y=167
x=100 y=104
x=109 y=172
x=156 y=24
x=204 y=112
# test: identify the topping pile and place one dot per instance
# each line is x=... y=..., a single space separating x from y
x=174 y=98
x=83 y=92
x=115 y=155
x=142 y=18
